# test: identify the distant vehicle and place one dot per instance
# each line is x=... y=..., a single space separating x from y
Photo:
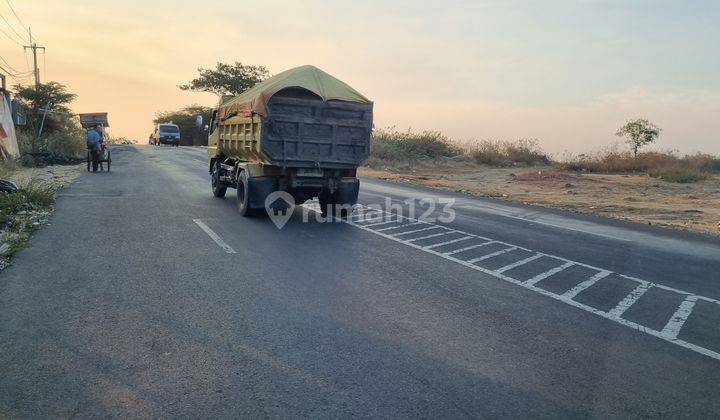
x=166 y=133
x=302 y=131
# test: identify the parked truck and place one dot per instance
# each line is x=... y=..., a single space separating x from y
x=302 y=131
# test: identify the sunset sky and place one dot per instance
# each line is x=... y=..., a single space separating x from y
x=565 y=72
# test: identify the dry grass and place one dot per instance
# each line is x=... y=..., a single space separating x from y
x=668 y=165
x=507 y=153
x=392 y=148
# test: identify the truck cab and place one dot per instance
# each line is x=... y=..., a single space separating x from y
x=166 y=133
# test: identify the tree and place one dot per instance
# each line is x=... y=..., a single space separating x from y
x=37 y=100
x=190 y=133
x=227 y=79
x=638 y=133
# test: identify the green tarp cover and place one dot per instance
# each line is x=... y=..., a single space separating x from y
x=254 y=100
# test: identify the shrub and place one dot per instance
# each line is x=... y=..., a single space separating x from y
x=678 y=175
x=666 y=165
x=508 y=153
x=66 y=144
x=32 y=196
x=392 y=145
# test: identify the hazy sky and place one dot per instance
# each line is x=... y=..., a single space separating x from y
x=565 y=72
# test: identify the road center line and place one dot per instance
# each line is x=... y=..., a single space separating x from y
x=214 y=236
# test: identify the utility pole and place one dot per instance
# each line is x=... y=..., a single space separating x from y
x=34 y=47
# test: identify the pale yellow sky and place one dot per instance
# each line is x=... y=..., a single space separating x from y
x=565 y=72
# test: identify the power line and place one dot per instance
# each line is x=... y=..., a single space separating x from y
x=22 y=25
x=9 y=65
x=13 y=29
x=9 y=37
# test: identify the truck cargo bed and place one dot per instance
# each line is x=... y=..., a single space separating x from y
x=302 y=130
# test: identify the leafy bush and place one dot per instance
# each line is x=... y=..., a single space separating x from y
x=392 y=145
x=508 y=153
x=66 y=144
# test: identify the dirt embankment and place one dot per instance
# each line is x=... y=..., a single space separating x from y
x=637 y=198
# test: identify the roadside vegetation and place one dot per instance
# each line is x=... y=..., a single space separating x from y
x=404 y=150
x=51 y=135
x=621 y=181
x=666 y=165
x=22 y=212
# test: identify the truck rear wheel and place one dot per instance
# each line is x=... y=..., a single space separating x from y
x=217 y=188
x=243 y=197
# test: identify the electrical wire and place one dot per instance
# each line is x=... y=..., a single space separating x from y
x=9 y=65
x=9 y=37
x=20 y=37
x=22 y=25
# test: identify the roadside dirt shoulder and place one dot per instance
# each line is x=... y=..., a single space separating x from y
x=637 y=198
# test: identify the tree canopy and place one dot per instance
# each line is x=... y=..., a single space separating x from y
x=37 y=99
x=51 y=92
x=185 y=119
x=227 y=79
x=638 y=133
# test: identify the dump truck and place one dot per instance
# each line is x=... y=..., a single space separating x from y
x=302 y=131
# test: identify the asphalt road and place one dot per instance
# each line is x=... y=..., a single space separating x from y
x=147 y=297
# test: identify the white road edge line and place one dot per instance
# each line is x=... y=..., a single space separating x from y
x=214 y=236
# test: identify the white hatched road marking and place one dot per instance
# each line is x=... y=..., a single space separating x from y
x=669 y=333
x=380 y=223
x=214 y=236
x=401 y=226
x=518 y=264
x=491 y=255
x=468 y=248
x=543 y=276
x=430 y=236
x=415 y=231
x=630 y=299
x=587 y=283
x=464 y=238
x=672 y=329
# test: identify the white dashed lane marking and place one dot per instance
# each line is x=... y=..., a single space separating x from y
x=390 y=226
x=214 y=236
